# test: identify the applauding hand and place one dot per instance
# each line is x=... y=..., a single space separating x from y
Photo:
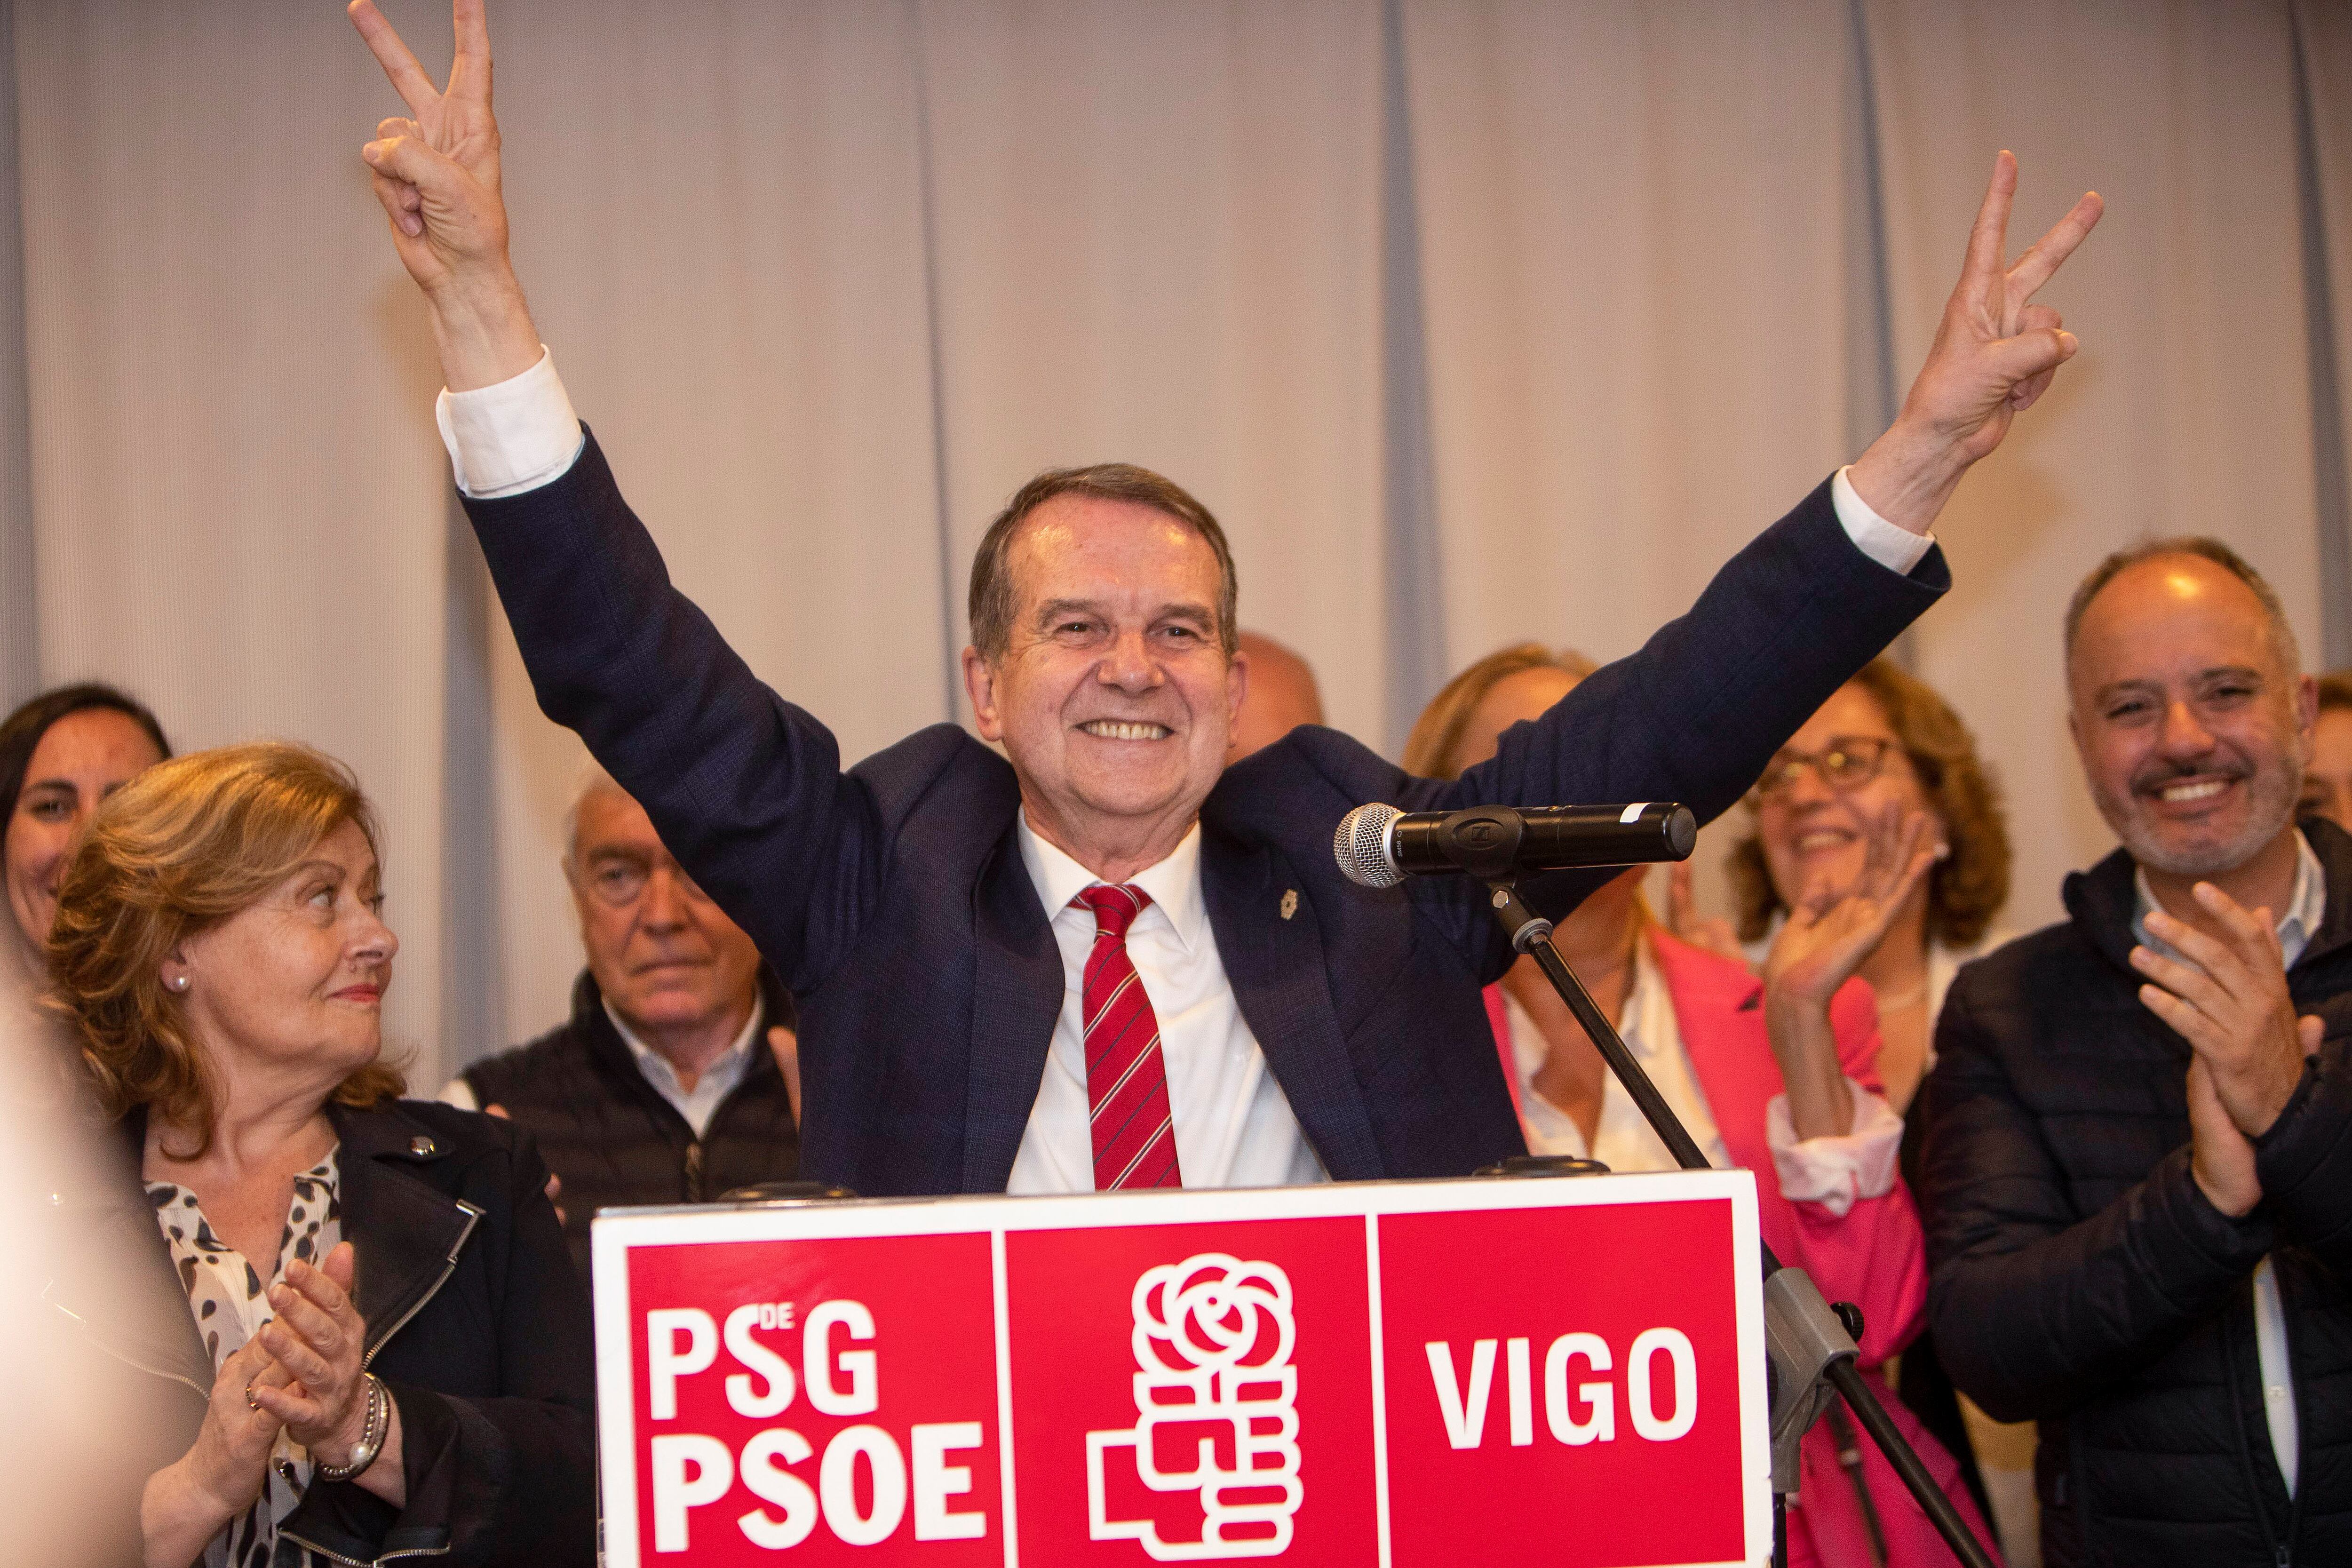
x=1828 y=936
x=2227 y=996
x=1833 y=930
x=319 y=1337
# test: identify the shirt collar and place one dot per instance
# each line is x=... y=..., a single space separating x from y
x=657 y=1067
x=2305 y=907
x=1174 y=883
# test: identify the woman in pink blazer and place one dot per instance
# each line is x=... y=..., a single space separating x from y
x=1777 y=1075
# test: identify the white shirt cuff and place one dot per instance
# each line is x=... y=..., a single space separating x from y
x=514 y=435
x=1836 y=1173
x=460 y=1093
x=1896 y=549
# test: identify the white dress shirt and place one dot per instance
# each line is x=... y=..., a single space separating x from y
x=2306 y=908
x=1834 y=1171
x=1233 y=1125
x=698 y=1104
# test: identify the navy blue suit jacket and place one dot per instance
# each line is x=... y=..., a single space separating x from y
x=893 y=900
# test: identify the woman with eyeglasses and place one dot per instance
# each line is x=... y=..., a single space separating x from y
x=1886 y=744
x=1779 y=1076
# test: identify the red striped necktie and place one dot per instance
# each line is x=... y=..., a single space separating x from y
x=1127 y=1083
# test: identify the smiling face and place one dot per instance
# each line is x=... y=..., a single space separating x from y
x=79 y=761
x=2190 y=719
x=665 y=956
x=1114 y=696
x=1817 y=832
x=292 y=985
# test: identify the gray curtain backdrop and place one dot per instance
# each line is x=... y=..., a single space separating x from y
x=1476 y=321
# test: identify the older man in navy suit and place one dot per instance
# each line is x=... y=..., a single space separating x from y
x=1097 y=965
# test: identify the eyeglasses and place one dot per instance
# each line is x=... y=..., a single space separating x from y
x=1847 y=764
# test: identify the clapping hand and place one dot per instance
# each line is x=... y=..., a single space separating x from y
x=319 y=1338
x=1995 y=352
x=2227 y=996
x=1832 y=932
x=230 y=1457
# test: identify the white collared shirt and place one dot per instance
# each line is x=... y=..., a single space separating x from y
x=698 y=1104
x=1233 y=1125
x=2306 y=908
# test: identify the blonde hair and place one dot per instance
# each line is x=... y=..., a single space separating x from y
x=177 y=850
x=1966 y=890
x=1437 y=734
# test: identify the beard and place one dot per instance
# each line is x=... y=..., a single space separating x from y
x=2271 y=792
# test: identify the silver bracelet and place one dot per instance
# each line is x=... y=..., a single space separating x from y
x=371 y=1434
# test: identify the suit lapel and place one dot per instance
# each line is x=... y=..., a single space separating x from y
x=1276 y=966
x=1016 y=997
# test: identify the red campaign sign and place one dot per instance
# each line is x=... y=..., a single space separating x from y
x=1402 y=1374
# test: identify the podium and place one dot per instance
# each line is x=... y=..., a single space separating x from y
x=1398 y=1374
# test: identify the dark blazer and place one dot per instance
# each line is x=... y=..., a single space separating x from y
x=477 y=1324
x=578 y=1092
x=892 y=899
x=2079 y=1276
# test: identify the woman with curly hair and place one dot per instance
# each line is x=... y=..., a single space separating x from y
x=1776 y=1074
x=1884 y=741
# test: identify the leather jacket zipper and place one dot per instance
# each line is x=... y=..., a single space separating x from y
x=308 y=1545
x=448 y=1267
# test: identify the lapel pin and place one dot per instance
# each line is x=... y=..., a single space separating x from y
x=420 y=1146
x=1289 y=902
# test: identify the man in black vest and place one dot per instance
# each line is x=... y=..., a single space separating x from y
x=675 y=1079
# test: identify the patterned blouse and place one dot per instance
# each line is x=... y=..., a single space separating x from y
x=230 y=1300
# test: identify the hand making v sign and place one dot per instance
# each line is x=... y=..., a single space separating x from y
x=436 y=173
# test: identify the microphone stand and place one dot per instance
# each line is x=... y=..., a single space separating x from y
x=1809 y=1346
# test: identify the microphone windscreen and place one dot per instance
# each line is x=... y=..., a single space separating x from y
x=1361 y=846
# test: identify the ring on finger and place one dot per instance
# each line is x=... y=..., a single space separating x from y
x=251 y=1402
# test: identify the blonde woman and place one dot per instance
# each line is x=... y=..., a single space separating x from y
x=1777 y=1075
x=361 y=1305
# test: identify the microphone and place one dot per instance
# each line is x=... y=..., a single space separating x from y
x=1377 y=845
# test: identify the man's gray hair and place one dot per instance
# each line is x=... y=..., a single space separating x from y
x=594 y=779
x=2204 y=548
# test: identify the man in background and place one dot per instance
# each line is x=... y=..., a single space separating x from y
x=675 y=1079
x=2327 y=776
x=1282 y=695
x=2138 y=1170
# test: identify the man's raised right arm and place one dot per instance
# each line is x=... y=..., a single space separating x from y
x=745 y=789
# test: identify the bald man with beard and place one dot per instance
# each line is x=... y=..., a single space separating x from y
x=2139 y=1168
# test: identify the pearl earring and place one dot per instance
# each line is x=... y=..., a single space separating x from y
x=179 y=983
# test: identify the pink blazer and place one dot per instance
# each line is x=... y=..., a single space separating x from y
x=1875 y=1255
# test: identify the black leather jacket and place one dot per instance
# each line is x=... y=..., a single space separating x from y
x=477 y=1324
